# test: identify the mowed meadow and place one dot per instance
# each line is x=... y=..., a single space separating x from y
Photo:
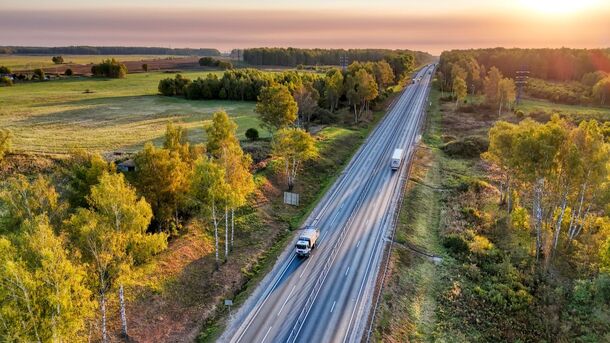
x=28 y=62
x=106 y=115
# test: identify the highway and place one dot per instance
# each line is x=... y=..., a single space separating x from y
x=328 y=296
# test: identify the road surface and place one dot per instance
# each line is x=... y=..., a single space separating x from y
x=328 y=296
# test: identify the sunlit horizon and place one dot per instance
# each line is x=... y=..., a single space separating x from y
x=433 y=26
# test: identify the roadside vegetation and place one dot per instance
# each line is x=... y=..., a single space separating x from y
x=516 y=207
x=148 y=248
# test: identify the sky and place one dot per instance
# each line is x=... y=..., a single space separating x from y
x=428 y=25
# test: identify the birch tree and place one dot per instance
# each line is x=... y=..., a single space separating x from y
x=43 y=297
x=112 y=235
x=459 y=90
x=209 y=189
x=334 y=88
x=290 y=148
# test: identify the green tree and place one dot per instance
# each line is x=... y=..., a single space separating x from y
x=176 y=141
x=145 y=67
x=5 y=143
x=491 y=85
x=112 y=236
x=276 y=107
x=291 y=148
x=501 y=141
x=507 y=92
x=224 y=146
x=601 y=90
x=459 y=89
x=44 y=298
x=361 y=88
x=24 y=200
x=68 y=72
x=163 y=178
x=83 y=173
x=307 y=101
x=209 y=190
x=58 y=59
x=110 y=68
x=4 y=70
x=334 y=88
x=402 y=64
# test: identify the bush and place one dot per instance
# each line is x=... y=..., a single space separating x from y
x=456 y=244
x=252 y=134
x=4 y=70
x=324 y=116
x=68 y=72
x=6 y=81
x=39 y=74
x=212 y=62
x=467 y=147
x=57 y=59
x=145 y=67
x=110 y=68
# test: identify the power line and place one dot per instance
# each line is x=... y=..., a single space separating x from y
x=521 y=77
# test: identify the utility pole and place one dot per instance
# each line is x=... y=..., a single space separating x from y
x=521 y=80
x=343 y=61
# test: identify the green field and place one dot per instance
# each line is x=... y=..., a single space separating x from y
x=118 y=114
x=18 y=62
x=575 y=111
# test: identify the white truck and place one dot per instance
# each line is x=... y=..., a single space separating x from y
x=396 y=159
x=307 y=241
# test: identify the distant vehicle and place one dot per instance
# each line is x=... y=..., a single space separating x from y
x=307 y=242
x=396 y=159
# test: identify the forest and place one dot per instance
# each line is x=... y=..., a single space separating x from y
x=293 y=57
x=567 y=76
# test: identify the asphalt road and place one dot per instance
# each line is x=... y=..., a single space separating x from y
x=328 y=296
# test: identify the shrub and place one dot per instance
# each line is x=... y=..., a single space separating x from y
x=110 y=68
x=480 y=245
x=39 y=74
x=456 y=244
x=145 y=67
x=57 y=59
x=68 y=72
x=252 y=134
x=519 y=114
x=6 y=81
x=4 y=70
x=167 y=87
x=467 y=147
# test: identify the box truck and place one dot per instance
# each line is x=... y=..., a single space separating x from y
x=307 y=241
x=396 y=159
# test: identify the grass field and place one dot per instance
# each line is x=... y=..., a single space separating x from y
x=19 y=62
x=118 y=114
x=575 y=111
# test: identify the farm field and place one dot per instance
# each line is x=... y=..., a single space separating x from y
x=19 y=62
x=117 y=114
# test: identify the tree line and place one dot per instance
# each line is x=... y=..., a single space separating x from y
x=216 y=63
x=358 y=86
x=107 y=50
x=548 y=64
x=583 y=73
x=292 y=57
